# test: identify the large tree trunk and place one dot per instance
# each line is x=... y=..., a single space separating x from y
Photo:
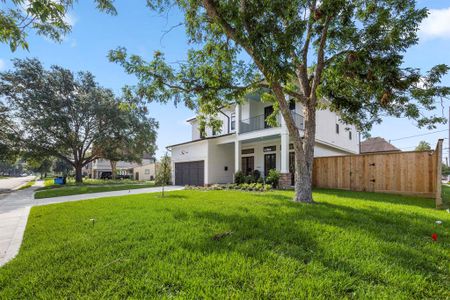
x=113 y=169
x=304 y=148
x=304 y=163
x=79 y=174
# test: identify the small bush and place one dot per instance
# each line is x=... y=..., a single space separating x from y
x=249 y=179
x=239 y=177
x=273 y=178
x=256 y=175
x=243 y=187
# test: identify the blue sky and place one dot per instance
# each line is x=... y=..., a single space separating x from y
x=140 y=31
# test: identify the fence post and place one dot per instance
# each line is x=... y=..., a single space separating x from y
x=438 y=150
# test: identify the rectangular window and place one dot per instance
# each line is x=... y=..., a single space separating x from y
x=268 y=110
x=247 y=164
x=349 y=135
x=269 y=149
x=337 y=128
x=248 y=151
x=147 y=171
x=292 y=104
x=233 y=121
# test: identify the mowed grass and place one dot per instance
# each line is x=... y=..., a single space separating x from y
x=232 y=244
x=71 y=189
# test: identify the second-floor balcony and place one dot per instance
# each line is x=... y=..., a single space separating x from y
x=260 y=123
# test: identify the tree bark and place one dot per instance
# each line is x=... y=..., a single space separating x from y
x=303 y=149
x=79 y=173
x=113 y=169
x=304 y=165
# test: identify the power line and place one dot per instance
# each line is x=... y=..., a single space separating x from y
x=423 y=134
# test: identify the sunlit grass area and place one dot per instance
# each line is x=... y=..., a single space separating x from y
x=233 y=244
x=88 y=186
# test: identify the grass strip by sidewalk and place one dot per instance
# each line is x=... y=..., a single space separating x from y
x=87 y=189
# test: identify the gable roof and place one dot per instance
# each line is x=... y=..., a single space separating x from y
x=377 y=144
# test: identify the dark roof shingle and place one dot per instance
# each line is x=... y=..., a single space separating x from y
x=377 y=144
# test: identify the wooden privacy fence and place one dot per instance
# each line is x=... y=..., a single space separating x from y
x=415 y=173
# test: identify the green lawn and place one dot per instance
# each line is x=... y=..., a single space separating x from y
x=70 y=189
x=232 y=244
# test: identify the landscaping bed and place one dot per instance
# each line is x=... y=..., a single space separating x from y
x=233 y=244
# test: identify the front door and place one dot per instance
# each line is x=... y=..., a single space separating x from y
x=248 y=164
x=292 y=166
x=270 y=162
x=268 y=110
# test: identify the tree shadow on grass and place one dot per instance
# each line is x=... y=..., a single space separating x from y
x=400 y=238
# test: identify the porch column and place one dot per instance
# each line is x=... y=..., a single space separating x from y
x=237 y=156
x=237 y=114
x=284 y=168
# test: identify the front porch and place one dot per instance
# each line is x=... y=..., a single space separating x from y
x=264 y=154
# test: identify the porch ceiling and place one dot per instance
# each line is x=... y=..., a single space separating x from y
x=262 y=139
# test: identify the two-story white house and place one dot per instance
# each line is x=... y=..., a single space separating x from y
x=246 y=142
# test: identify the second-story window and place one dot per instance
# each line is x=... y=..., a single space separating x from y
x=292 y=104
x=349 y=135
x=233 y=121
x=337 y=128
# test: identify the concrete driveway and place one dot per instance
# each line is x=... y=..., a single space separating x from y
x=10 y=184
x=15 y=208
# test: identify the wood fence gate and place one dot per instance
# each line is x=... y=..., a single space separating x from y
x=416 y=173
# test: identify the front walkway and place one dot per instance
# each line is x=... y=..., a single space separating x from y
x=15 y=208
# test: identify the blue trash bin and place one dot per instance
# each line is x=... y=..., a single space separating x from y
x=59 y=180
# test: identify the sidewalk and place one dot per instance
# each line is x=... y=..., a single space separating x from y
x=15 y=208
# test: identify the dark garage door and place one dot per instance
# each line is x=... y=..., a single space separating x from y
x=190 y=173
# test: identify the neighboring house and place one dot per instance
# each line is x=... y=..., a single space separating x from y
x=377 y=144
x=99 y=166
x=145 y=172
x=246 y=142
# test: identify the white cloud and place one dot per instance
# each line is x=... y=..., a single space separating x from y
x=437 y=25
x=2 y=64
x=70 y=19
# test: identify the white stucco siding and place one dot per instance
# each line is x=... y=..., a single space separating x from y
x=326 y=131
x=221 y=162
x=195 y=131
x=322 y=150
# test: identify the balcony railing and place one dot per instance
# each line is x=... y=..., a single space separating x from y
x=259 y=123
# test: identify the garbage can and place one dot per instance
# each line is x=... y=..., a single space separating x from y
x=59 y=180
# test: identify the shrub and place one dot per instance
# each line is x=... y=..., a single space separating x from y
x=256 y=175
x=273 y=178
x=239 y=177
x=260 y=180
x=244 y=187
x=249 y=179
